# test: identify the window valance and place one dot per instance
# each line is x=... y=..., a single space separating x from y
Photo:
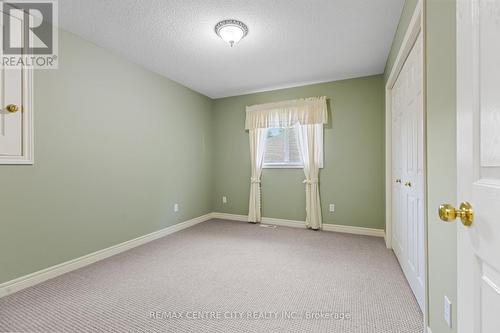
x=304 y=111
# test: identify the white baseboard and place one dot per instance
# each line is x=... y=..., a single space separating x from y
x=354 y=230
x=429 y=329
x=301 y=224
x=32 y=279
x=284 y=223
x=232 y=217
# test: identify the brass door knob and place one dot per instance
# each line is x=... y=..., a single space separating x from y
x=12 y=108
x=408 y=184
x=448 y=213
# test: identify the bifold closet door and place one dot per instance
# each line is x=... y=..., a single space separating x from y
x=408 y=170
x=398 y=231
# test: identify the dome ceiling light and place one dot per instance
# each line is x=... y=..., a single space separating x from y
x=231 y=31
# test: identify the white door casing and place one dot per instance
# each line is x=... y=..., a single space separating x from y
x=16 y=128
x=408 y=171
x=478 y=151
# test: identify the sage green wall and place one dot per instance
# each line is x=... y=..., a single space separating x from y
x=441 y=157
x=352 y=178
x=115 y=147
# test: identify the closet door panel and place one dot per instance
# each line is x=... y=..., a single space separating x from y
x=408 y=165
x=397 y=169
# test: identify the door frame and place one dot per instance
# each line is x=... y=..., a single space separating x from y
x=416 y=26
x=28 y=137
x=27 y=156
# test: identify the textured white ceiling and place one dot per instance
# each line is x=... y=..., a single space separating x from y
x=290 y=42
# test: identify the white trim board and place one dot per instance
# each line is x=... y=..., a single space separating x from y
x=32 y=279
x=301 y=224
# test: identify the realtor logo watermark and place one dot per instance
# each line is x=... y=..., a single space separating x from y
x=29 y=34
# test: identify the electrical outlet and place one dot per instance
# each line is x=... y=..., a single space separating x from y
x=447 y=311
x=176 y=208
x=224 y=199
x=332 y=208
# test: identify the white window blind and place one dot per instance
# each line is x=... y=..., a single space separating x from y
x=282 y=148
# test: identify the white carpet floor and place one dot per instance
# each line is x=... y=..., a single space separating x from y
x=226 y=276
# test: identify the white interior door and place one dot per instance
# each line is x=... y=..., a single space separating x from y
x=11 y=122
x=478 y=102
x=11 y=89
x=16 y=120
x=408 y=170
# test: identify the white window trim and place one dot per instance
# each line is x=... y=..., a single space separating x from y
x=282 y=166
x=286 y=166
x=290 y=165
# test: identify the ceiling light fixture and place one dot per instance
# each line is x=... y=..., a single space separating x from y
x=231 y=31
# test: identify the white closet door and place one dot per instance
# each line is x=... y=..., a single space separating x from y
x=397 y=172
x=408 y=166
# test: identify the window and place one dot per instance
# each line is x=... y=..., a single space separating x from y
x=282 y=148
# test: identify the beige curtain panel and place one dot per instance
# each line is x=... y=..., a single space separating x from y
x=257 y=150
x=308 y=115
x=309 y=138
